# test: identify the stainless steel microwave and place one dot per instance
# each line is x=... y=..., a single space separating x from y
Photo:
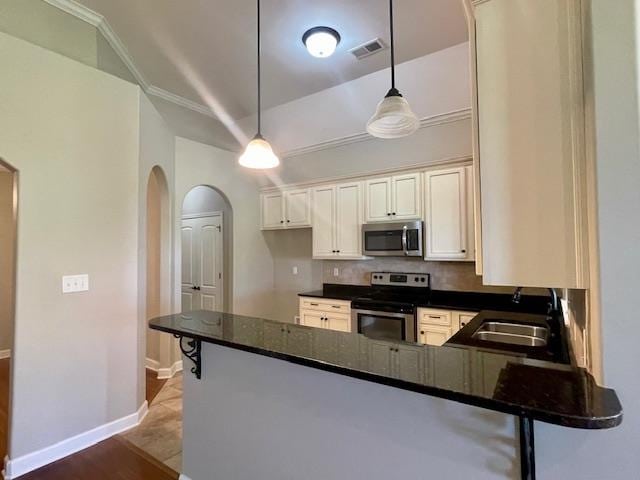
x=401 y=239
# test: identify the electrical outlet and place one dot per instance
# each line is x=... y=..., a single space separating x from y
x=75 y=283
x=295 y=270
x=336 y=272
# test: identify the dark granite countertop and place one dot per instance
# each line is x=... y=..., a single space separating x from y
x=512 y=384
x=445 y=299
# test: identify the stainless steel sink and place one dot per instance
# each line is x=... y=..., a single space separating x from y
x=513 y=333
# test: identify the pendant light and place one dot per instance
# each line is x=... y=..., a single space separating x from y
x=394 y=117
x=259 y=154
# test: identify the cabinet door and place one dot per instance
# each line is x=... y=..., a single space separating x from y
x=531 y=143
x=434 y=334
x=406 y=196
x=349 y=220
x=312 y=319
x=341 y=323
x=409 y=363
x=470 y=214
x=272 y=211
x=297 y=208
x=378 y=200
x=463 y=319
x=446 y=214
x=323 y=221
x=381 y=357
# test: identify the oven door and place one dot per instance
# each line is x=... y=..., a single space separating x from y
x=392 y=239
x=384 y=325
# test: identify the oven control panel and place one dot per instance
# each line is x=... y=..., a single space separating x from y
x=401 y=279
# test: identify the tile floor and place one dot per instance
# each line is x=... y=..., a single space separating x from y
x=160 y=433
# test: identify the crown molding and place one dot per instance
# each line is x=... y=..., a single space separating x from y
x=178 y=100
x=100 y=22
x=440 y=119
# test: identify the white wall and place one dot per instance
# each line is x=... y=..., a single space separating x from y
x=435 y=84
x=157 y=149
x=199 y=164
x=72 y=132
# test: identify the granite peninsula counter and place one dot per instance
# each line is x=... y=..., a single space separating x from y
x=528 y=389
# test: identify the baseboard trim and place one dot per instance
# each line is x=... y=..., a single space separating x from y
x=33 y=461
x=5 y=354
x=164 y=373
x=152 y=364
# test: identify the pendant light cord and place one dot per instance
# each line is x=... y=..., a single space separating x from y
x=259 y=75
x=393 y=50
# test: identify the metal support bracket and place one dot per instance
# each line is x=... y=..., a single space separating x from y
x=527 y=451
x=192 y=349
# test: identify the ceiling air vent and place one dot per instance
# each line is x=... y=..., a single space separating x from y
x=369 y=48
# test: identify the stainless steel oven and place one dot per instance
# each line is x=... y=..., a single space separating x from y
x=382 y=324
x=401 y=239
x=387 y=311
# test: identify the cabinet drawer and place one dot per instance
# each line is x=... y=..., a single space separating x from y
x=325 y=305
x=430 y=316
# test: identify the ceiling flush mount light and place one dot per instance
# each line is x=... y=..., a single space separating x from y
x=321 y=42
x=259 y=154
x=394 y=117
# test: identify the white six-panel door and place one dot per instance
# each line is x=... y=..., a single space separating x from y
x=202 y=264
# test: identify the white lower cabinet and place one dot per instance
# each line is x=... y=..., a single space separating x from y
x=325 y=313
x=337 y=221
x=436 y=326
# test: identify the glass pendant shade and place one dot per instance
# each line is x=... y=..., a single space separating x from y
x=259 y=155
x=393 y=118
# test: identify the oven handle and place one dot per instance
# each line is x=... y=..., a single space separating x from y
x=404 y=241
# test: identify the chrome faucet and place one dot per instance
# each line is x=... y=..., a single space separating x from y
x=554 y=304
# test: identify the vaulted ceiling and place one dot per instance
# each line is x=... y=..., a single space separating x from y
x=204 y=50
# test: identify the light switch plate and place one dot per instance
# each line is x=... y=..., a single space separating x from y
x=336 y=272
x=75 y=283
x=295 y=270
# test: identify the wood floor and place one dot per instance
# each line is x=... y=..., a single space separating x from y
x=153 y=385
x=113 y=459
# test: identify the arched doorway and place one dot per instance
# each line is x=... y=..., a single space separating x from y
x=206 y=250
x=161 y=355
x=8 y=229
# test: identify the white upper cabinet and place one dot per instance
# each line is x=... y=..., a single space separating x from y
x=291 y=209
x=378 y=193
x=349 y=220
x=297 y=208
x=530 y=141
x=393 y=198
x=406 y=197
x=272 y=210
x=337 y=221
x=324 y=212
x=448 y=215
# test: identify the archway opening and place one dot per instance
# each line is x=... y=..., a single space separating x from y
x=8 y=235
x=206 y=250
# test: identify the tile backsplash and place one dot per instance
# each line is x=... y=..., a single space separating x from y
x=460 y=276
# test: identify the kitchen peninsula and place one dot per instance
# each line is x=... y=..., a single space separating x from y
x=289 y=396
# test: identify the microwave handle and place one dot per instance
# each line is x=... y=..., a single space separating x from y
x=404 y=240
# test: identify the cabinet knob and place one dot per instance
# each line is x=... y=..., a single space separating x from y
x=281 y=221
x=388 y=214
x=288 y=221
x=393 y=213
x=422 y=333
x=463 y=251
